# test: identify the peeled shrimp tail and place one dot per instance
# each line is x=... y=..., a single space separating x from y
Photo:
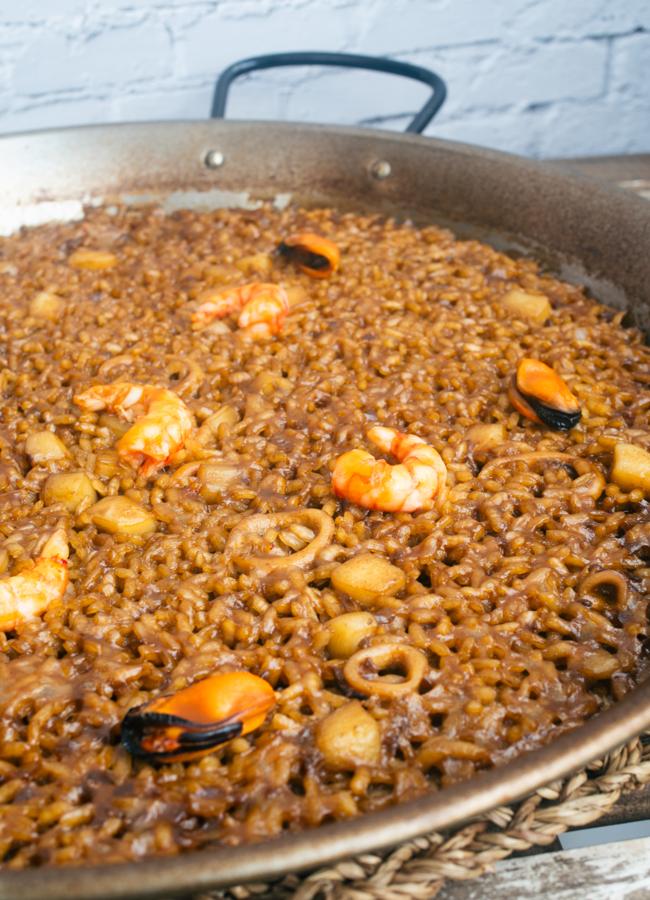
x=398 y=443
x=263 y=308
x=418 y=482
x=161 y=430
x=153 y=439
x=56 y=545
x=24 y=596
x=118 y=398
x=218 y=304
x=264 y=314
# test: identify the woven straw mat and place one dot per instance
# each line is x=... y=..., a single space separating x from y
x=419 y=868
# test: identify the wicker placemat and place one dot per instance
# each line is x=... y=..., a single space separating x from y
x=419 y=868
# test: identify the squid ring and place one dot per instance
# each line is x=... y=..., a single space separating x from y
x=124 y=359
x=578 y=462
x=381 y=656
x=191 y=375
x=315 y=519
x=608 y=578
x=439 y=748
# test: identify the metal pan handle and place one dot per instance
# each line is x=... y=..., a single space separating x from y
x=347 y=60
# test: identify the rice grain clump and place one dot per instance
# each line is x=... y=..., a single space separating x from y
x=462 y=635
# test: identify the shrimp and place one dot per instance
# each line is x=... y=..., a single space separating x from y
x=30 y=593
x=418 y=482
x=162 y=428
x=264 y=313
x=262 y=308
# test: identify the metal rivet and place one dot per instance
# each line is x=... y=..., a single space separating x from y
x=380 y=169
x=214 y=159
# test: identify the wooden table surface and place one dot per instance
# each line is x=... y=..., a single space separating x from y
x=619 y=870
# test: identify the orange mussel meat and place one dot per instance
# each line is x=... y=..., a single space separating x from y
x=312 y=253
x=538 y=392
x=194 y=721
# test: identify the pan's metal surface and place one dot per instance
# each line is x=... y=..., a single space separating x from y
x=582 y=230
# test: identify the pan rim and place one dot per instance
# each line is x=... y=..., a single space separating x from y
x=222 y=866
x=464 y=148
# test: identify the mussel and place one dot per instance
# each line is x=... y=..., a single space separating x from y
x=538 y=392
x=312 y=253
x=192 y=722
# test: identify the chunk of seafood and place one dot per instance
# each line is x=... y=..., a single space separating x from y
x=44 y=447
x=538 y=392
x=347 y=631
x=367 y=577
x=314 y=254
x=94 y=260
x=526 y=305
x=319 y=528
x=262 y=308
x=29 y=594
x=418 y=482
x=162 y=421
x=194 y=721
x=349 y=737
x=485 y=437
x=363 y=670
x=121 y=515
x=46 y=305
x=72 y=490
x=631 y=467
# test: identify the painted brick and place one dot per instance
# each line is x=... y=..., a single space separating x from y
x=630 y=68
x=462 y=69
x=542 y=73
x=574 y=129
x=509 y=130
x=494 y=75
x=55 y=62
x=580 y=18
x=39 y=10
x=63 y=112
x=397 y=26
x=108 y=7
x=45 y=66
x=260 y=97
x=540 y=77
x=171 y=103
x=179 y=18
x=219 y=38
x=347 y=97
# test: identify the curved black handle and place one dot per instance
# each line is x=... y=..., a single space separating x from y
x=348 y=60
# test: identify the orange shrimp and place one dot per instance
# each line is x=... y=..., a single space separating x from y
x=162 y=421
x=29 y=594
x=418 y=482
x=262 y=308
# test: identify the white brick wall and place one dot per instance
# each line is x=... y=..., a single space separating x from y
x=539 y=77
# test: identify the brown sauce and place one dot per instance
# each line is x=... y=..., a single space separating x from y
x=411 y=333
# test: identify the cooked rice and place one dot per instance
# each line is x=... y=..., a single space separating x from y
x=410 y=333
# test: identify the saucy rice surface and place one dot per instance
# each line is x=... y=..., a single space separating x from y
x=497 y=589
